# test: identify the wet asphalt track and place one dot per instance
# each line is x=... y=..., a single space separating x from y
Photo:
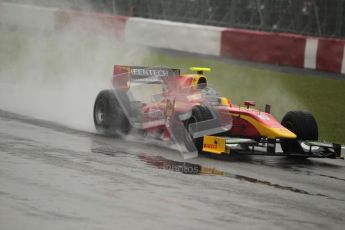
x=54 y=177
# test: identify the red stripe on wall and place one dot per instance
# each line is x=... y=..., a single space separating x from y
x=85 y=22
x=274 y=48
x=330 y=55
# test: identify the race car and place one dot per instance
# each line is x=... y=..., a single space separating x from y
x=183 y=110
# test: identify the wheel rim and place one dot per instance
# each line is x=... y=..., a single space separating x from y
x=100 y=112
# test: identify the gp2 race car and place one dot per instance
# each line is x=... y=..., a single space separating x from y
x=184 y=111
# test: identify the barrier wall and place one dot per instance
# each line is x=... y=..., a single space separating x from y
x=173 y=35
x=324 y=54
x=281 y=49
x=95 y=23
x=30 y=17
x=330 y=55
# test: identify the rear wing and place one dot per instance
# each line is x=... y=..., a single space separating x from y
x=124 y=75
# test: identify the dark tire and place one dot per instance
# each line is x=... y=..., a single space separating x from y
x=108 y=116
x=304 y=125
x=199 y=113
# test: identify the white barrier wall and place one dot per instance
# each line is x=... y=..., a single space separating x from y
x=174 y=35
x=310 y=53
x=27 y=16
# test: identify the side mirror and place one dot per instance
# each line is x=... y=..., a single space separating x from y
x=249 y=103
x=268 y=108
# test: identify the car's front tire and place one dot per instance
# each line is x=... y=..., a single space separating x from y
x=304 y=125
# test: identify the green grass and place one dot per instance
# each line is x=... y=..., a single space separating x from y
x=50 y=57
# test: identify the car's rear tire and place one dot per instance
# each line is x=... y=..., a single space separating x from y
x=108 y=116
x=199 y=113
x=304 y=125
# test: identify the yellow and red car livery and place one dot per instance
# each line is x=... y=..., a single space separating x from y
x=188 y=108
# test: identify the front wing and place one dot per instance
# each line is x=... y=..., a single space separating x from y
x=269 y=147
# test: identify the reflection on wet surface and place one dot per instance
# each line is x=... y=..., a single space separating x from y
x=196 y=169
x=176 y=166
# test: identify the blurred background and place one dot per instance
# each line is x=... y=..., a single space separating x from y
x=310 y=17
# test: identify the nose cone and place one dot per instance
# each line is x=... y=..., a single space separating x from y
x=282 y=133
